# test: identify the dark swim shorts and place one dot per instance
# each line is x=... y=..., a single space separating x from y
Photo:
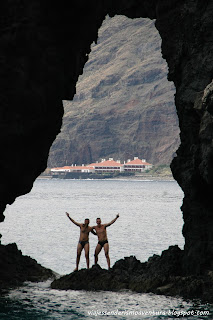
x=102 y=243
x=83 y=243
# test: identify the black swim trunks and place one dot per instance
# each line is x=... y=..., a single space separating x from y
x=83 y=243
x=102 y=243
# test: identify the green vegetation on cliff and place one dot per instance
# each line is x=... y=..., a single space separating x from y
x=161 y=170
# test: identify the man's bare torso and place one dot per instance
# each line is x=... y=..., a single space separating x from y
x=101 y=232
x=84 y=232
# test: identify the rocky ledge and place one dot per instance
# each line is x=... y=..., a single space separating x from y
x=160 y=275
x=16 y=268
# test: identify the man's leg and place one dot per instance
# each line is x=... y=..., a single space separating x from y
x=106 y=250
x=97 y=251
x=79 y=249
x=86 y=249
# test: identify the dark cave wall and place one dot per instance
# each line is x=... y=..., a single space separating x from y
x=43 y=51
x=44 y=47
x=186 y=29
x=191 y=68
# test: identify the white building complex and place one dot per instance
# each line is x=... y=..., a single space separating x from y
x=73 y=168
x=105 y=166
x=137 y=165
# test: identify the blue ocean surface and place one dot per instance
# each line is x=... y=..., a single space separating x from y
x=150 y=221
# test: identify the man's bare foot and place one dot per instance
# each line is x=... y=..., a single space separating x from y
x=76 y=269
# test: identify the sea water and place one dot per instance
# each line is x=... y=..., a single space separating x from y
x=150 y=221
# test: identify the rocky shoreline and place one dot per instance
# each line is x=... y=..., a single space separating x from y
x=16 y=268
x=160 y=275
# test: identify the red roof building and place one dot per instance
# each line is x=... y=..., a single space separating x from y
x=105 y=166
x=108 y=166
x=137 y=165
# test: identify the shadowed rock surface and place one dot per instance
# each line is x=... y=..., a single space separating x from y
x=16 y=268
x=44 y=47
x=160 y=274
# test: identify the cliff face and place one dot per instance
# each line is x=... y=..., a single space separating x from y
x=43 y=50
x=124 y=104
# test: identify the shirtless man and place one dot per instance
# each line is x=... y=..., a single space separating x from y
x=102 y=239
x=83 y=240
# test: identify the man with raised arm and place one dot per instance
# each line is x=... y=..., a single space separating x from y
x=102 y=239
x=83 y=240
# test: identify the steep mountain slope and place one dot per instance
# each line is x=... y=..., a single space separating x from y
x=124 y=104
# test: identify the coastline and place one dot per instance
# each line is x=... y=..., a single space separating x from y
x=137 y=177
x=151 y=177
x=156 y=173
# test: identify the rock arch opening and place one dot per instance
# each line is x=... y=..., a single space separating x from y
x=40 y=68
x=124 y=104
